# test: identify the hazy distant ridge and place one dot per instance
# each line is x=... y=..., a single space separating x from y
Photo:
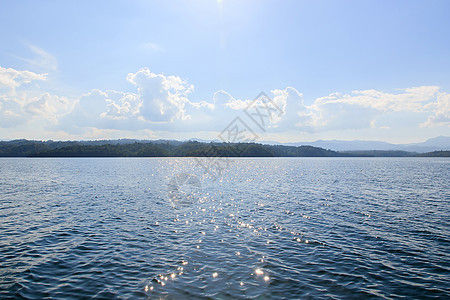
x=433 y=144
x=161 y=148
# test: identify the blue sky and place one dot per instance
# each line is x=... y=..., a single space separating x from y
x=370 y=70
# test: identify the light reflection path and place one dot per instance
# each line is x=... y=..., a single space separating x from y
x=233 y=247
x=335 y=228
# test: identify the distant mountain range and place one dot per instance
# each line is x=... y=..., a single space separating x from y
x=433 y=144
x=170 y=148
x=440 y=143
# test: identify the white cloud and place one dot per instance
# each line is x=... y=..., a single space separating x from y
x=409 y=99
x=121 y=105
x=222 y=99
x=290 y=102
x=163 y=98
x=102 y=110
x=161 y=102
x=441 y=111
x=48 y=106
x=11 y=114
x=15 y=96
x=164 y=104
x=42 y=60
x=10 y=79
x=360 y=109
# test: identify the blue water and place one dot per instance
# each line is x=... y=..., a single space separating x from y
x=264 y=228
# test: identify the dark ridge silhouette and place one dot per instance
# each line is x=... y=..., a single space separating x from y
x=435 y=154
x=165 y=148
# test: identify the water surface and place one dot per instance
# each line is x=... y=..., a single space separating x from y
x=265 y=228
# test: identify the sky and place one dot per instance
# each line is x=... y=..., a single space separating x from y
x=347 y=70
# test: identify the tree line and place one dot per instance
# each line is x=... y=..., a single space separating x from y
x=128 y=148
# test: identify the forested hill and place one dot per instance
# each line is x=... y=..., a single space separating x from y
x=163 y=148
x=435 y=154
x=24 y=148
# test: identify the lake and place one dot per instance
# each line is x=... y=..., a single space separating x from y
x=272 y=228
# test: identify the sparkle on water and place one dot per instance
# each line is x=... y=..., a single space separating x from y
x=270 y=228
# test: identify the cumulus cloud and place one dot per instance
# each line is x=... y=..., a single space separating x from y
x=361 y=108
x=290 y=102
x=441 y=111
x=11 y=114
x=120 y=105
x=279 y=110
x=10 y=79
x=14 y=100
x=165 y=103
x=222 y=99
x=160 y=102
x=48 y=106
x=162 y=98
x=409 y=99
x=102 y=110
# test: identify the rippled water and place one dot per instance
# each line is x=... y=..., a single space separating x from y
x=266 y=229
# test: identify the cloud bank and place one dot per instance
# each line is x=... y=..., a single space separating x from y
x=165 y=103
